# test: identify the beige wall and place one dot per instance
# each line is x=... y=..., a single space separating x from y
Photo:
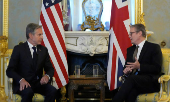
x=21 y=12
x=157 y=19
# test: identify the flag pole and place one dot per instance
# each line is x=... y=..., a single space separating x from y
x=63 y=93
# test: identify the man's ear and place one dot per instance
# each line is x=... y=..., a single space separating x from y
x=140 y=32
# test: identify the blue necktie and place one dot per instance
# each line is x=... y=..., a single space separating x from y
x=34 y=57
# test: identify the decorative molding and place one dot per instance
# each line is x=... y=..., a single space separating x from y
x=5 y=17
x=139 y=14
x=138 y=10
x=141 y=19
x=86 y=33
x=3 y=96
x=92 y=45
x=93 y=42
x=4 y=47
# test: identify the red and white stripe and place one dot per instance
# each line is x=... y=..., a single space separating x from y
x=54 y=39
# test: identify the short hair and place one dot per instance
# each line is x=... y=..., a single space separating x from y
x=31 y=27
x=140 y=27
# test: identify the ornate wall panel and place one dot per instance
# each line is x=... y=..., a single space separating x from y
x=157 y=18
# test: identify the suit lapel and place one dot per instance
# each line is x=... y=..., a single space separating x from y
x=131 y=53
x=28 y=52
x=143 y=50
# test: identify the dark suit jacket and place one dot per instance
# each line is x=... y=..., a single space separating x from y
x=21 y=64
x=150 y=59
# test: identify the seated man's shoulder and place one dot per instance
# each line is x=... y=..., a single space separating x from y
x=131 y=47
x=153 y=44
x=20 y=45
x=42 y=47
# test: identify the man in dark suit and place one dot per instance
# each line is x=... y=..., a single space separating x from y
x=142 y=70
x=26 y=67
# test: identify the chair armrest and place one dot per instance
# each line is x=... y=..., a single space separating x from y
x=164 y=78
x=53 y=81
x=10 y=91
x=164 y=96
x=10 y=80
x=122 y=79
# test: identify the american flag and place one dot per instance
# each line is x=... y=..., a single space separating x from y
x=118 y=42
x=53 y=38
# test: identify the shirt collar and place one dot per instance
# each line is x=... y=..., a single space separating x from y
x=141 y=44
x=30 y=45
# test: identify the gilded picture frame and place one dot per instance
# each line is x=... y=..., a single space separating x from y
x=5 y=17
x=139 y=12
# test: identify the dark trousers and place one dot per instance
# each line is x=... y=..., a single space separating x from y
x=47 y=90
x=135 y=85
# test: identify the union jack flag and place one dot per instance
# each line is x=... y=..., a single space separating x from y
x=118 y=42
x=51 y=20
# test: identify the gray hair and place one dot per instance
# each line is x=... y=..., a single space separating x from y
x=140 y=27
x=31 y=29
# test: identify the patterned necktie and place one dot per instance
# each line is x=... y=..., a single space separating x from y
x=34 y=57
x=135 y=55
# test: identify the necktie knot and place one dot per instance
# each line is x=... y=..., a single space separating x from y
x=137 y=47
x=34 y=48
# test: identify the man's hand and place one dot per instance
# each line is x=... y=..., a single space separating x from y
x=24 y=84
x=135 y=65
x=127 y=70
x=44 y=80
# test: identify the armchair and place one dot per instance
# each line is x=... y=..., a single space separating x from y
x=163 y=95
x=17 y=98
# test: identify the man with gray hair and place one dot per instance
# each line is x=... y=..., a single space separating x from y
x=142 y=67
x=26 y=66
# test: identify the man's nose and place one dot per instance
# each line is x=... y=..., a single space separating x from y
x=42 y=36
x=129 y=36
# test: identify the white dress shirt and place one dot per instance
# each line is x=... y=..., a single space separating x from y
x=31 y=49
x=140 y=49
